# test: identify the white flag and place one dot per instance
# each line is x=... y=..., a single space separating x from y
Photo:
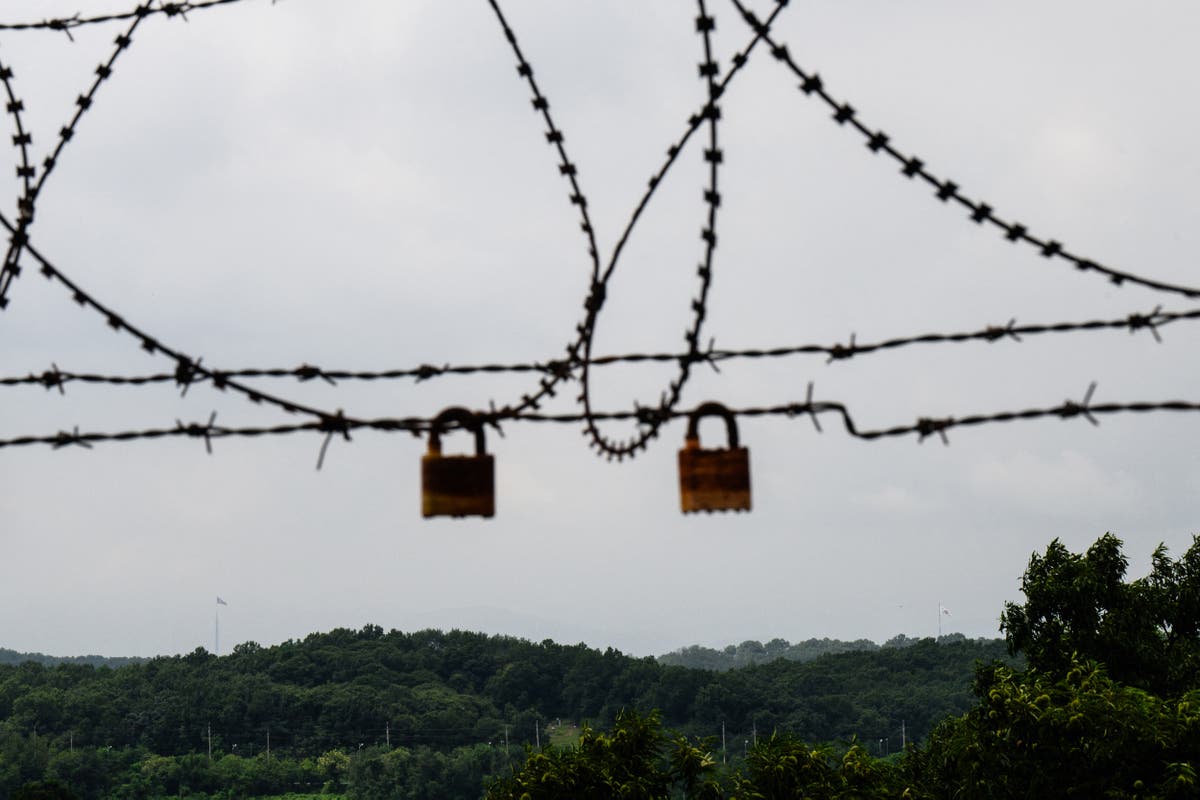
x=221 y=602
x=945 y=610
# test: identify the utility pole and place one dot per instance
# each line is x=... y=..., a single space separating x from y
x=722 y=742
x=903 y=739
x=387 y=733
x=537 y=733
x=71 y=739
x=268 y=744
x=755 y=724
x=210 y=741
x=505 y=740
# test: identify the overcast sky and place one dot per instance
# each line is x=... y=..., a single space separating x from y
x=364 y=185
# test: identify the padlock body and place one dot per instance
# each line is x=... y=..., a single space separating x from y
x=458 y=486
x=714 y=480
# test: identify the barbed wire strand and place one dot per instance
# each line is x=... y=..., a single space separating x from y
x=189 y=370
x=710 y=113
x=708 y=69
x=547 y=387
x=945 y=190
x=67 y=24
x=1011 y=331
x=22 y=139
x=11 y=268
x=923 y=428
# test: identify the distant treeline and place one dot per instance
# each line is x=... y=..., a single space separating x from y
x=339 y=697
x=751 y=652
x=13 y=657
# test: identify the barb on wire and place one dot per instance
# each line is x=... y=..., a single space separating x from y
x=845 y=115
x=1072 y=409
x=62 y=439
x=306 y=372
x=808 y=401
x=842 y=352
x=52 y=378
x=198 y=430
x=187 y=372
x=927 y=427
x=1151 y=321
x=331 y=425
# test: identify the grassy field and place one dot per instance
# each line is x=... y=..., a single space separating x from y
x=564 y=735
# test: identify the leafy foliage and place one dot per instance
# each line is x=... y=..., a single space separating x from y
x=627 y=762
x=632 y=761
x=380 y=714
x=1146 y=632
x=1077 y=733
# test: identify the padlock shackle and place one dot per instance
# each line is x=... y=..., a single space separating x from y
x=465 y=418
x=712 y=409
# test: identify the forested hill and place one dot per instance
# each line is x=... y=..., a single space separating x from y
x=751 y=652
x=13 y=657
x=345 y=688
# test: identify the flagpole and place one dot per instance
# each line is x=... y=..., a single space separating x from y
x=217 y=631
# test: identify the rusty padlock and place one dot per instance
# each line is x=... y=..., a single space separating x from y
x=457 y=486
x=713 y=480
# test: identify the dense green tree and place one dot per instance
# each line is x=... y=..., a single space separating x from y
x=1146 y=632
x=141 y=731
x=44 y=790
x=782 y=766
x=1070 y=733
x=630 y=761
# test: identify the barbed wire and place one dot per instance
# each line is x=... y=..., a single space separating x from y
x=190 y=369
x=55 y=378
x=11 y=269
x=567 y=169
x=22 y=139
x=810 y=408
x=708 y=69
x=945 y=190
x=579 y=360
x=67 y=24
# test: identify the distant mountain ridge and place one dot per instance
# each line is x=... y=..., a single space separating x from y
x=752 y=653
x=14 y=657
x=749 y=653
